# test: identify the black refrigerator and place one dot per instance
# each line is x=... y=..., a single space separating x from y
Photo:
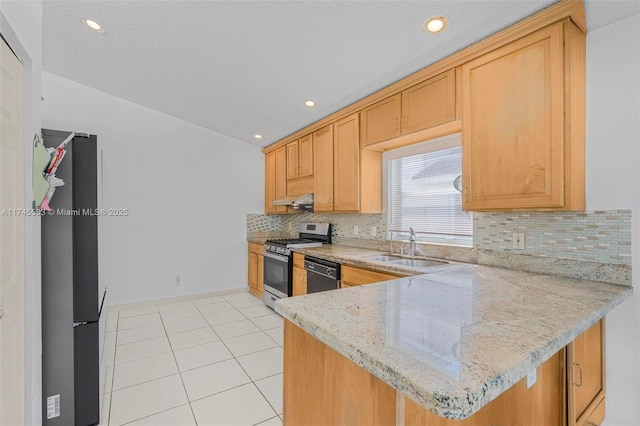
x=71 y=303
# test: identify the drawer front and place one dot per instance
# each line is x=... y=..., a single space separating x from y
x=356 y=276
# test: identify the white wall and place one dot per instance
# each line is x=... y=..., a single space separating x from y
x=22 y=28
x=613 y=182
x=187 y=189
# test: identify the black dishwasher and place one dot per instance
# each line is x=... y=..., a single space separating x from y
x=322 y=275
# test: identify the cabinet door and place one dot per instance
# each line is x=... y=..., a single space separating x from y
x=346 y=164
x=253 y=272
x=305 y=156
x=585 y=381
x=269 y=181
x=513 y=121
x=281 y=177
x=429 y=103
x=381 y=121
x=323 y=159
x=260 y=287
x=292 y=160
x=299 y=281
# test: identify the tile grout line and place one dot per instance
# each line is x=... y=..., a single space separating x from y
x=222 y=340
x=180 y=372
x=247 y=373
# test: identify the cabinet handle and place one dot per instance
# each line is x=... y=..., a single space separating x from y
x=466 y=194
x=581 y=374
x=395 y=123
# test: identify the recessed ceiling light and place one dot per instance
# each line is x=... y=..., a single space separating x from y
x=435 y=24
x=93 y=25
x=310 y=103
x=257 y=136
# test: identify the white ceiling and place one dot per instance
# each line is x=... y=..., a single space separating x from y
x=245 y=67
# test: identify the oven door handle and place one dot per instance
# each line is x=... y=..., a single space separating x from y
x=320 y=273
x=276 y=257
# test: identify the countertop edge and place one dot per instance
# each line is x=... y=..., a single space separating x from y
x=450 y=406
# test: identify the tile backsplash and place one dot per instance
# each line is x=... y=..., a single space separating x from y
x=600 y=236
x=595 y=238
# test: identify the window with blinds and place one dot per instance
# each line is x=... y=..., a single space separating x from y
x=423 y=182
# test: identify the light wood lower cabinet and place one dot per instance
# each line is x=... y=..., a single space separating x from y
x=339 y=392
x=321 y=387
x=585 y=382
x=351 y=276
x=299 y=275
x=256 y=269
x=541 y=404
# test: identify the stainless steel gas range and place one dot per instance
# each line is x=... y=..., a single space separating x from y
x=278 y=259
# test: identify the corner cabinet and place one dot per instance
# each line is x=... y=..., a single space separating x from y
x=256 y=269
x=523 y=123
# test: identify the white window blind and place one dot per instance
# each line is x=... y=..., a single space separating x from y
x=421 y=191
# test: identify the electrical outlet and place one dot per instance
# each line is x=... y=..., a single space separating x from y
x=178 y=283
x=374 y=231
x=518 y=241
x=355 y=230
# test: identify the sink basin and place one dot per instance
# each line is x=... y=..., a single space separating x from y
x=384 y=258
x=418 y=263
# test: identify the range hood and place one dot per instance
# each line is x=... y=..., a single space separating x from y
x=302 y=202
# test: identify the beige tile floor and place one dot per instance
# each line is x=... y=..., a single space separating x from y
x=206 y=361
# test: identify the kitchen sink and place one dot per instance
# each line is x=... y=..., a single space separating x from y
x=384 y=258
x=418 y=263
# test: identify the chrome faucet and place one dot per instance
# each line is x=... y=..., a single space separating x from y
x=413 y=250
x=412 y=242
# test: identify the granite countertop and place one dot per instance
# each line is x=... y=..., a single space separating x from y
x=454 y=339
x=358 y=257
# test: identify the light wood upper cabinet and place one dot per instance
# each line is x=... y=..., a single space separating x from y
x=585 y=378
x=292 y=160
x=305 y=156
x=430 y=103
x=300 y=158
x=381 y=121
x=281 y=177
x=323 y=158
x=346 y=164
x=519 y=149
x=273 y=175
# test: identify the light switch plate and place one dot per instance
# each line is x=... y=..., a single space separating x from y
x=374 y=231
x=531 y=378
x=518 y=241
x=355 y=230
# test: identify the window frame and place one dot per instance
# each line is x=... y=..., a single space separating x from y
x=433 y=145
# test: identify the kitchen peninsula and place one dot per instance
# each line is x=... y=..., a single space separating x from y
x=440 y=346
